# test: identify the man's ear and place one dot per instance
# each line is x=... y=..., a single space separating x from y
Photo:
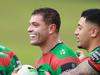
x=95 y=31
x=52 y=28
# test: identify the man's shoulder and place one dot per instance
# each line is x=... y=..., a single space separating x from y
x=96 y=49
x=3 y=55
x=4 y=49
x=61 y=46
x=61 y=51
x=95 y=55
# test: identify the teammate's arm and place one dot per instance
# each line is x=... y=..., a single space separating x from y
x=82 y=69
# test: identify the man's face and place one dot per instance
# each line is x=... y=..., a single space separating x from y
x=83 y=33
x=38 y=30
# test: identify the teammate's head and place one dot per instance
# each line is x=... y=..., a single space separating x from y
x=88 y=30
x=92 y=15
x=43 y=23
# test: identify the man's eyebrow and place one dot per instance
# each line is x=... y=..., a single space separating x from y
x=31 y=22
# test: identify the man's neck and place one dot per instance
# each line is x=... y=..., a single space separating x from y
x=49 y=45
x=93 y=46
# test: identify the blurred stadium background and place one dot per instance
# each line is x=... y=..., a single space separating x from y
x=14 y=17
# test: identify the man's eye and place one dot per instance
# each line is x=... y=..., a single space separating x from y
x=36 y=24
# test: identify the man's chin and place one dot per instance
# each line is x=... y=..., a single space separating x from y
x=34 y=43
x=80 y=47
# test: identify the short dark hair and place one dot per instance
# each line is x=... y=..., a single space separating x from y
x=50 y=16
x=92 y=15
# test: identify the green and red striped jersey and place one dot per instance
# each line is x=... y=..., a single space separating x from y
x=6 y=67
x=59 y=59
x=14 y=59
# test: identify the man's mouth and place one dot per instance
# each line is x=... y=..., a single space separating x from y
x=32 y=36
x=77 y=39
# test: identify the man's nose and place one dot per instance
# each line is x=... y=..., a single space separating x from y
x=29 y=29
x=76 y=32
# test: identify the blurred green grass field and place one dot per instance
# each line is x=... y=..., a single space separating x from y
x=14 y=17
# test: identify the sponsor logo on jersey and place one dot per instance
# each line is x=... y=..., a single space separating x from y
x=62 y=52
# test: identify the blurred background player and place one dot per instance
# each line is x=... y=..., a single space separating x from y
x=88 y=37
x=14 y=59
x=6 y=66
